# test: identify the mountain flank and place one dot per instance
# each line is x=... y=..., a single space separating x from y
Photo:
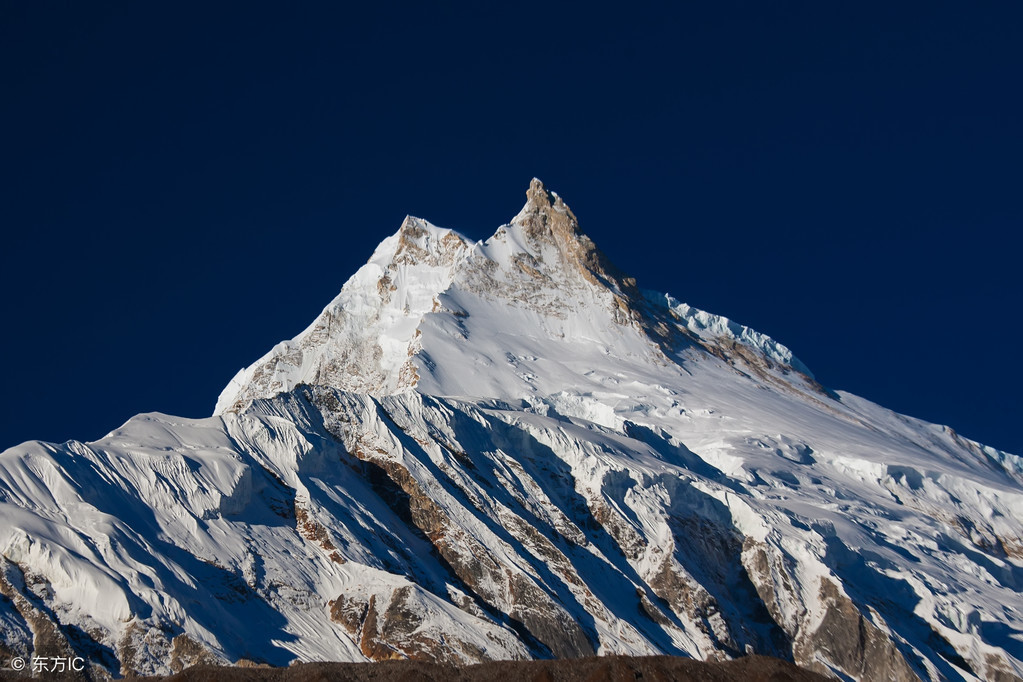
x=483 y=453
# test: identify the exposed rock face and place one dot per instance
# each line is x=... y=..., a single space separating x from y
x=851 y=643
x=185 y=652
x=146 y=649
x=547 y=220
x=495 y=585
x=504 y=450
x=35 y=631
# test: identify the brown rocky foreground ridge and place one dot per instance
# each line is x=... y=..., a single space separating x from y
x=591 y=669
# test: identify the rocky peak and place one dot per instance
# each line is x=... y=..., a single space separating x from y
x=405 y=316
x=422 y=243
x=539 y=196
x=546 y=218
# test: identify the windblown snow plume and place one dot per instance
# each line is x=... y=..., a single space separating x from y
x=508 y=450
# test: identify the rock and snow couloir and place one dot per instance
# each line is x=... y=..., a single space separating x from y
x=506 y=449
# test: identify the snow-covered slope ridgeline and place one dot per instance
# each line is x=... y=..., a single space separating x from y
x=506 y=450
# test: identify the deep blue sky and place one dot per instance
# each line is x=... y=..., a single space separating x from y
x=182 y=185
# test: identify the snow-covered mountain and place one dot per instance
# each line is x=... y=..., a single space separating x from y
x=505 y=450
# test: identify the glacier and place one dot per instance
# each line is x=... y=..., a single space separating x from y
x=507 y=449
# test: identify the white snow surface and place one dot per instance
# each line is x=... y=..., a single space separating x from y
x=508 y=436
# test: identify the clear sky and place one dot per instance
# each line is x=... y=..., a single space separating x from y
x=184 y=184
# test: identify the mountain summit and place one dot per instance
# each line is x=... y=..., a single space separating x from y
x=505 y=450
x=432 y=311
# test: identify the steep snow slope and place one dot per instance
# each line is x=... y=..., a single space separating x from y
x=507 y=450
x=363 y=340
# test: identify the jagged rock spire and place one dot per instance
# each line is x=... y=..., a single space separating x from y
x=547 y=218
x=538 y=195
